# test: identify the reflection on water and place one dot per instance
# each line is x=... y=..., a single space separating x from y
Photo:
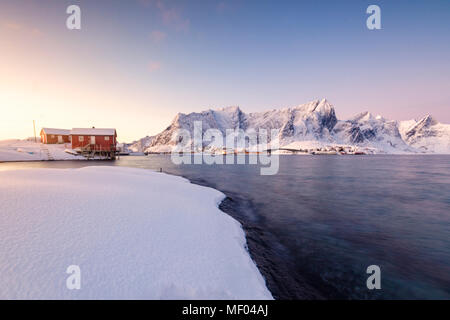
x=315 y=227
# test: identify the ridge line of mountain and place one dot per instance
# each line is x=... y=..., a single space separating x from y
x=313 y=125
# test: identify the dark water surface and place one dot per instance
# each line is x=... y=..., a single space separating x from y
x=315 y=227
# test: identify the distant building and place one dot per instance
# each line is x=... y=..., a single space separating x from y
x=93 y=139
x=54 y=136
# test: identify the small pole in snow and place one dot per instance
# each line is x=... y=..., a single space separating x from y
x=34 y=129
x=160 y=169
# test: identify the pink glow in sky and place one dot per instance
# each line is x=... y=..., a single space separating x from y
x=135 y=64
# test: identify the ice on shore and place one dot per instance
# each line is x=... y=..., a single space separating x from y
x=134 y=233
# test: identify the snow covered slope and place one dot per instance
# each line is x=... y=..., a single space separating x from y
x=139 y=145
x=25 y=150
x=313 y=120
x=376 y=132
x=315 y=124
x=427 y=135
x=135 y=234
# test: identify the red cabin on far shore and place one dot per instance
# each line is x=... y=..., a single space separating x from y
x=54 y=136
x=93 y=139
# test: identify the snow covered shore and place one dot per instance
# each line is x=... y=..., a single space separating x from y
x=134 y=233
x=25 y=150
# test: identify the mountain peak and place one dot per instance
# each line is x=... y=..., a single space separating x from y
x=428 y=120
x=324 y=105
x=365 y=116
x=315 y=121
x=230 y=109
x=321 y=106
x=420 y=125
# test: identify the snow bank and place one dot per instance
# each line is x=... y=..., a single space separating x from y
x=134 y=233
x=24 y=150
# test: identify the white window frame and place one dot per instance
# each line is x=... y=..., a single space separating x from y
x=80 y=138
x=106 y=138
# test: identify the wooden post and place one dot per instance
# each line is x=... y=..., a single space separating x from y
x=34 y=128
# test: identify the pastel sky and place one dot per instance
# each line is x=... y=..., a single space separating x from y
x=136 y=63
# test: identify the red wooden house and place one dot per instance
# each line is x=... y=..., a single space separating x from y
x=93 y=139
x=54 y=136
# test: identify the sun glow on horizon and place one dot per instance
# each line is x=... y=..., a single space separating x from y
x=134 y=66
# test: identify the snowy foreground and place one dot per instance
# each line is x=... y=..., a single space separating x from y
x=25 y=150
x=135 y=234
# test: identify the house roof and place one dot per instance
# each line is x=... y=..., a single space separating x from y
x=61 y=132
x=93 y=131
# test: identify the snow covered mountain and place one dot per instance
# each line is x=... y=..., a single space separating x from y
x=427 y=135
x=140 y=145
x=314 y=126
x=376 y=132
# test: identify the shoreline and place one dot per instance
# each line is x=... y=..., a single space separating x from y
x=277 y=261
x=280 y=154
x=25 y=161
x=259 y=244
x=252 y=244
x=181 y=246
x=55 y=160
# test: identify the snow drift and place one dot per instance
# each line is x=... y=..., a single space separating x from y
x=135 y=234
